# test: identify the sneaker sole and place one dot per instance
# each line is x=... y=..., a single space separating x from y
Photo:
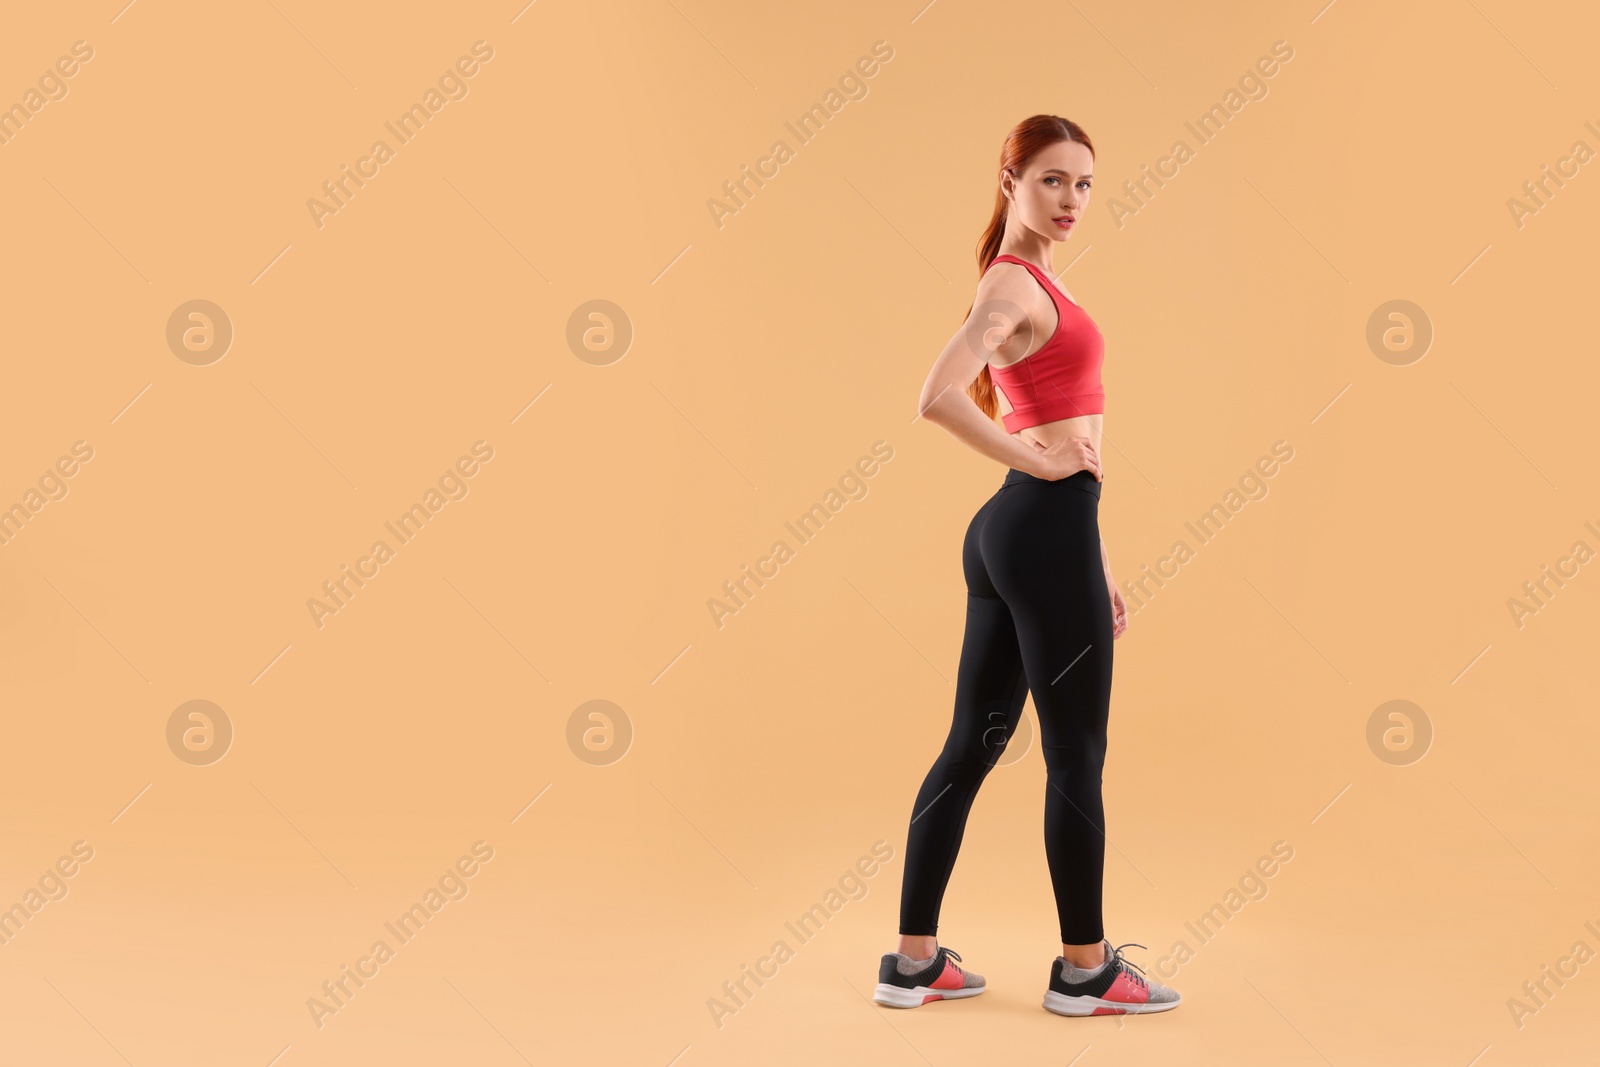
x=1062 y=1004
x=893 y=996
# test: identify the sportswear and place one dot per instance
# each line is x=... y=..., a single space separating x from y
x=1038 y=619
x=1062 y=379
x=1109 y=989
x=907 y=983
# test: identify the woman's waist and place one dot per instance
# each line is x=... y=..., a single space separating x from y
x=1077 y=480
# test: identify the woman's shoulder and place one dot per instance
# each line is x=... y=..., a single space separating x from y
x=1008 y=290
x=1006 y=277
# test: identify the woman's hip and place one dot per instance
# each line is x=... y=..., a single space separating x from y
x=1035 y=530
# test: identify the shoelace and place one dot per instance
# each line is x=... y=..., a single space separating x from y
x=951 y=953
x=1117 y=960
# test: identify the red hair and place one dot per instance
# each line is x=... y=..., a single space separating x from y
x=1026 y=140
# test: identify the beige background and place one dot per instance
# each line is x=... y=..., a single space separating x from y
x=768 y=355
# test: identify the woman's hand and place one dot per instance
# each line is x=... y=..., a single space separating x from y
x=1119 y=608
x=1066 y=457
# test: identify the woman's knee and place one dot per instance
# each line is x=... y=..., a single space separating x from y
x=1084 y=760
x=968 y=758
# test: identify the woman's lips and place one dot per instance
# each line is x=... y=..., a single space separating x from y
x=1064 y=221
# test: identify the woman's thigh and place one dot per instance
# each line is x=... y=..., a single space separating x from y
x=1040 y=547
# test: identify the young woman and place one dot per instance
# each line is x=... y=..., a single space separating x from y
x=1042 y=606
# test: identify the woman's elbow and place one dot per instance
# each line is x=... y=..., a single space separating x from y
x=931 y=405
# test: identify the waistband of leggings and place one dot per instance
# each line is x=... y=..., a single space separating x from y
x=1079 y=479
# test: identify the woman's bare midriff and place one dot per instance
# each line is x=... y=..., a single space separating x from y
x=1049 y=433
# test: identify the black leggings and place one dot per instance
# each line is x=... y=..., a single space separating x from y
x=1038 y=620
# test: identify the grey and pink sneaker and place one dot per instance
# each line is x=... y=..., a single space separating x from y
x=1109 y=989
x=907 y=983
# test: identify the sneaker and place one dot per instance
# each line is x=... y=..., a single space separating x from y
x=1109 y=989
x=907 y=983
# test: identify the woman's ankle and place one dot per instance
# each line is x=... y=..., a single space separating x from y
x=1087 y=957
x=918 y=946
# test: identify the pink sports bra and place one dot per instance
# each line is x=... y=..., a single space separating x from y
x=1060 y=380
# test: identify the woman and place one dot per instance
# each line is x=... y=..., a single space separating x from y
x=1042 y=606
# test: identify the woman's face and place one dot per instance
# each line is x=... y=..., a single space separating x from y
x=1051 y=195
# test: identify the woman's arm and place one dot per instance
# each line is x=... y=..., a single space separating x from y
x=944 y=400
x=960 y=415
